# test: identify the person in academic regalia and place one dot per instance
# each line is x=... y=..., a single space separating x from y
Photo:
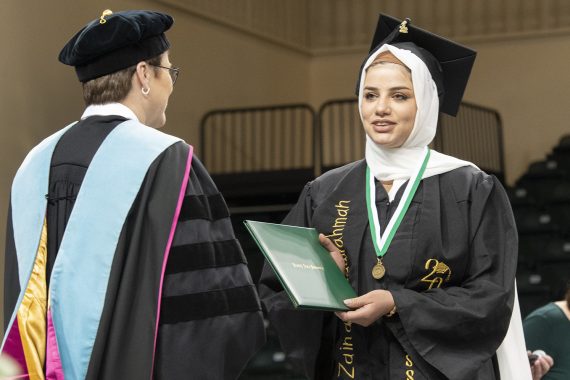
x=428 y=241
x=121 y=261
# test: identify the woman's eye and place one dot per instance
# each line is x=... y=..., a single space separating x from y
x=401 y=97
x=370 y=95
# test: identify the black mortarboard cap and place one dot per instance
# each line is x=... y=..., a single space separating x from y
x=448 y=62
x=116 y=41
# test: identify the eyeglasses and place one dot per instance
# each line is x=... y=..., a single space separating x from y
x=173 y=71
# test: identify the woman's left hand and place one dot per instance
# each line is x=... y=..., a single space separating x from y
x=368 y=307
x=541 y=366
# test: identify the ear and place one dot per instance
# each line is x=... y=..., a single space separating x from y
x=142 y=74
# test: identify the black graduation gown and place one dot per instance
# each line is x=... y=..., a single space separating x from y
x=450 y=269
x=210 y=319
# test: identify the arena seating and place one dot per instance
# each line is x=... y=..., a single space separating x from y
x=541 y=204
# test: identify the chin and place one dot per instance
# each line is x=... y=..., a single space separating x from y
x=382 y=141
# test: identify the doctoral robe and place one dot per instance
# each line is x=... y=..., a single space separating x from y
x=178 y=301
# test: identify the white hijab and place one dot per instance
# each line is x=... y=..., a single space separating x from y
x=398 y=163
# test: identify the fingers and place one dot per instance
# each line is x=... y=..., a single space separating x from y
x=541 y=366
x=355 y=303
x=537 y=370
x=335 y=253
x=543 y=363
x=339 y=261
x=327 y=243
x=364 y=316
x=548 y=359
x=368 y=307
x=381 y=297
x=341 y=315
x=358 y=304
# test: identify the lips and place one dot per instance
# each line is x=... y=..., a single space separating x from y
x=382 y=125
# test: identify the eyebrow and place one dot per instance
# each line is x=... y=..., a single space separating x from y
x=390 y=89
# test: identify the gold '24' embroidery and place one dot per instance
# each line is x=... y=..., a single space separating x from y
x=438 y=273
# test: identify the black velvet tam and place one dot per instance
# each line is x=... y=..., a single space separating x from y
x=116 y=41
x=448 y=62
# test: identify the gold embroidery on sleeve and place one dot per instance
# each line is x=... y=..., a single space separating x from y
x=438 y=273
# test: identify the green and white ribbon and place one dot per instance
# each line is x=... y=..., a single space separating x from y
x=381 y=243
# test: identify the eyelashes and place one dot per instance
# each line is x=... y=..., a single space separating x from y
x=396 y=96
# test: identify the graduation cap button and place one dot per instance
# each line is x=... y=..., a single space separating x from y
x=403 y=26
x=106 y=12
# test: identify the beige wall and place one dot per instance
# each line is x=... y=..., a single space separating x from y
x=527 y=81
x=529 y=84
x=38 y=95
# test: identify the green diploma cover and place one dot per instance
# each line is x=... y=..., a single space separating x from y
x=305 y=268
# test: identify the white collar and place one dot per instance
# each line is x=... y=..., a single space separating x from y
x=109 y=109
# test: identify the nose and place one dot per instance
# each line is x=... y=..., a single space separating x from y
x=383 y=106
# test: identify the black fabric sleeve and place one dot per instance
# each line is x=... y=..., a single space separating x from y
x=210 y=316
x=211 y=322
x=11 y=280
x=457 y=328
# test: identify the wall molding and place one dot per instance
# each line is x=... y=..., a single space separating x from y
x=329 y=27
x=283 y=23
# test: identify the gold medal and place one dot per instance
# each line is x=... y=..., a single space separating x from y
x=379 y=270
x=381 y=242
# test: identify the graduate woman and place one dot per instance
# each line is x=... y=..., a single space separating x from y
x=120 y=256
x=428 y=241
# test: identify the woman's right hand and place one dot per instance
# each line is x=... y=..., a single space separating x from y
x=334 y=251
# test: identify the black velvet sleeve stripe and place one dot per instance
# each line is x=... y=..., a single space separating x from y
x=196 y=256
x=191 y=307
x=210 y=207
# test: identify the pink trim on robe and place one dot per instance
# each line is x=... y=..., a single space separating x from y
x=54 y=370
x=13 y=346
x=169 y=244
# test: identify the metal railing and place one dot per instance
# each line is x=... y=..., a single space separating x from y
x=270 y=138
x=475 y=135
x=265 y=152
x=341 y=133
